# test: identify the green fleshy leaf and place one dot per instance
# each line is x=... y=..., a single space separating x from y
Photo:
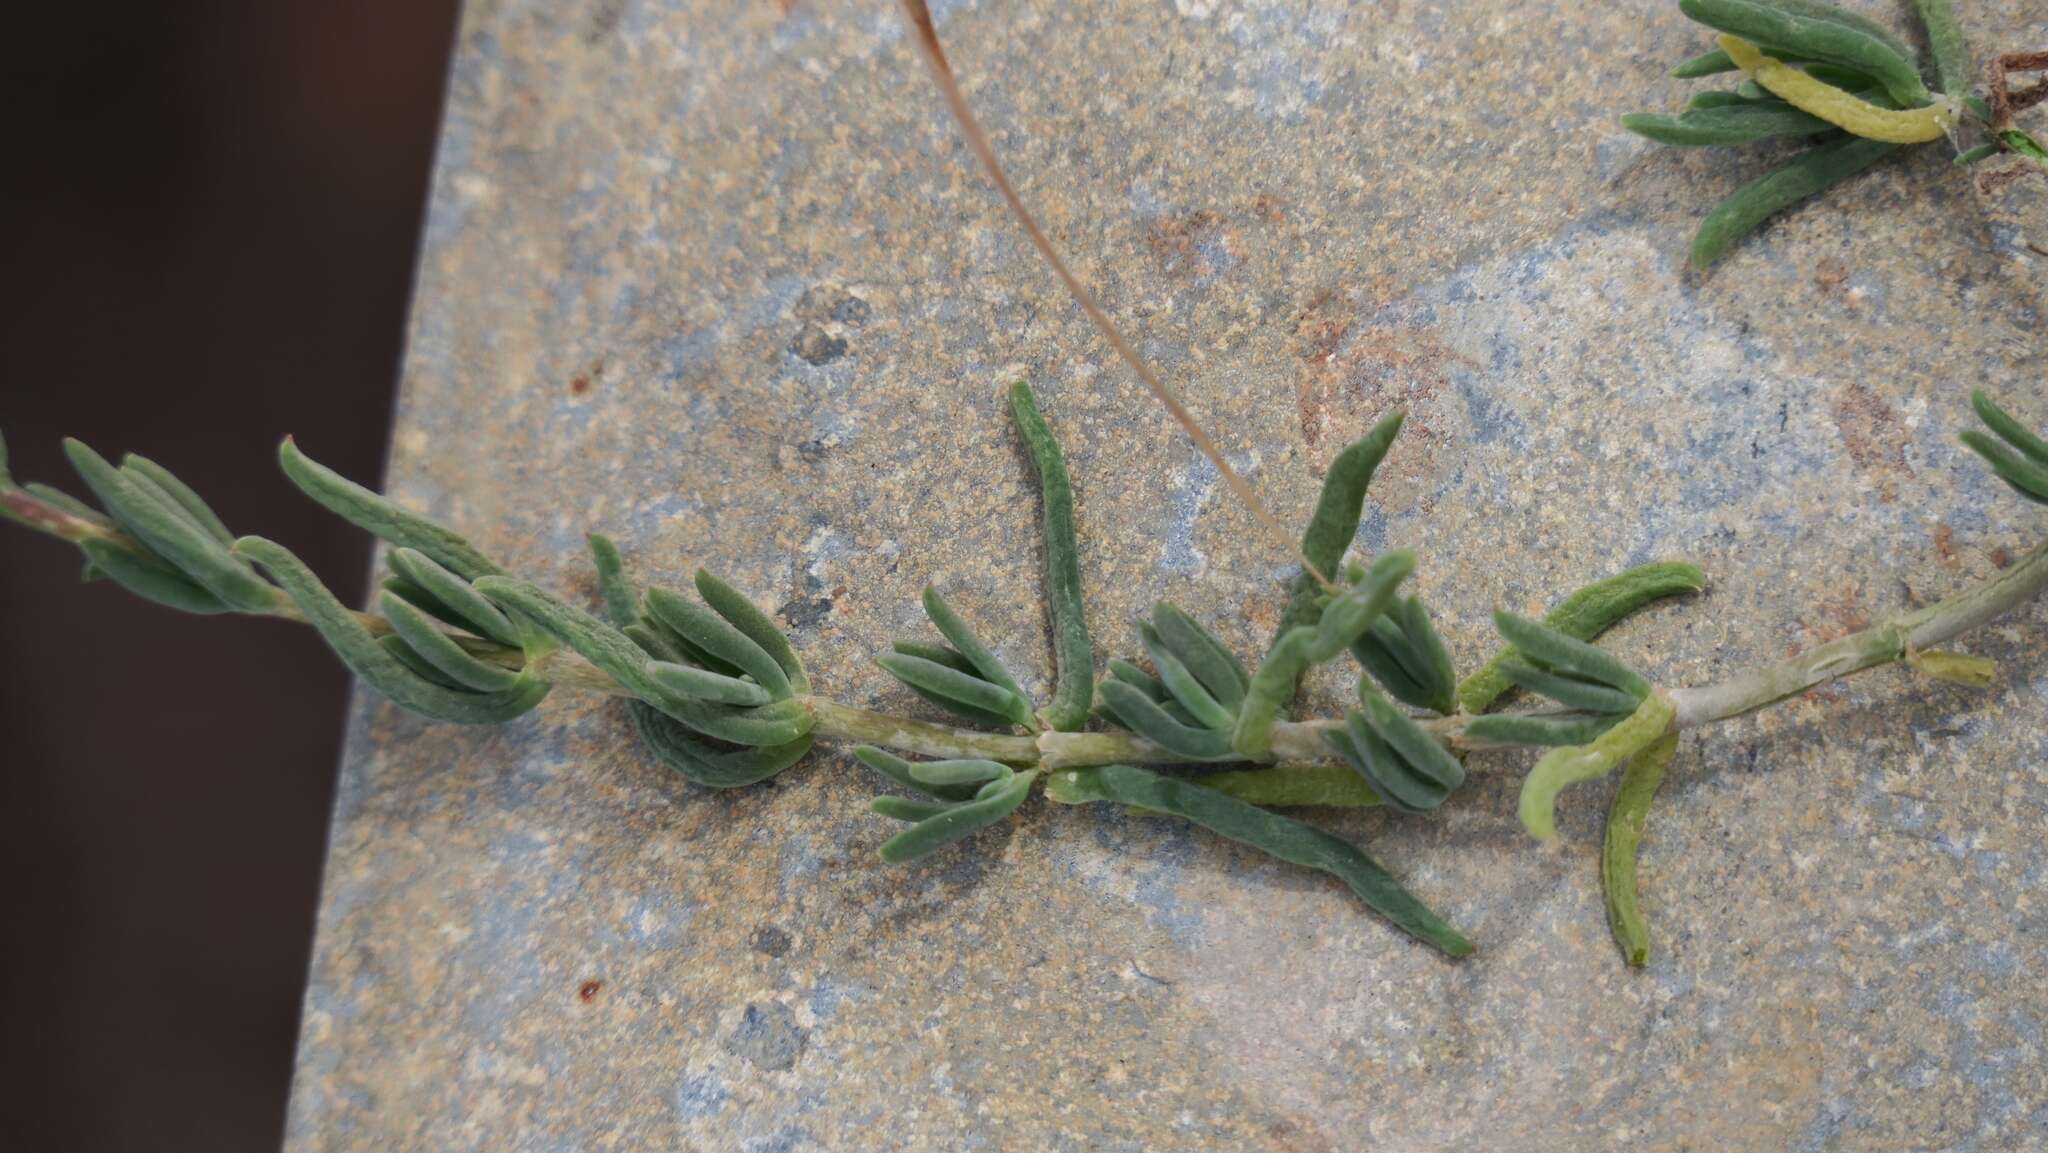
x=1288 y=786
x=380 y=517
x=1585 y=615
x=360 y=651
x=465 y=608
x=1073 y=656
x=707 y=629
x=1508 y=729
x=170 y=533
x=1341 y=622
x=621 y=602
x=756 y=626
x=705 y=685
x=906 y=809
x=1569 y=766
x=1142 y=715
x=1182 y=684
x=982 y=663
x=1626 y=817
x=1334 y=524
x=1946 y=44
x=958 y=822
x=956 y=773
x=1810 y=172
x=1271 y=833
x=1570 y=691
x=952 y=688
x=149 y=578
x=2024 y=144
x=181 y=495
x=441 y=651
x=1213 y=664
x=706 y=764
x=897 y=769
x=1743 y=122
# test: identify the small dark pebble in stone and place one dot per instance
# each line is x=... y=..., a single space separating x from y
x=829 y=301
x=770 y=940
x=817 y=346
x=768 y=1036
x=803 y=612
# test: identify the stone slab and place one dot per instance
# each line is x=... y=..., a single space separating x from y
x=720 y=280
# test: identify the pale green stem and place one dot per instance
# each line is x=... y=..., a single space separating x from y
x=1294 y=742
x=25 y=509
x=860 y=726
x=1889 y=641
x=1303 y=742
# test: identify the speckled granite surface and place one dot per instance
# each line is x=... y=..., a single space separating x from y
x=720 y=280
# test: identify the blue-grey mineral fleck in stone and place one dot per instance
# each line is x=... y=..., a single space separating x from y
x=720 y=280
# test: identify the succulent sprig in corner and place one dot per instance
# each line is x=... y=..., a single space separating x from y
x=714 y=689
x=1844 y=83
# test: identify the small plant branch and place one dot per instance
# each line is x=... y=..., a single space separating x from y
x=1301 y=742
x=1843 y=82
x=1304 y=743
x=1295 y=744
x=1881 y=644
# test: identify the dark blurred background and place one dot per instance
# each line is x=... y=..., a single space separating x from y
x=211 y=213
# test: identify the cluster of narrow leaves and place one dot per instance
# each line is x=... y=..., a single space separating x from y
x=716 y=691
x=2019 y=457
x=1404 y=765
x=1191 y=706
x=1596 y=690
x=713 y=682
x=1198 y=702
x=1815 y=72
x=957 y=797
x=961 y=676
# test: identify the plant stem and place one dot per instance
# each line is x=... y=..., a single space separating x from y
x=29 y=511
x=1293 y=742
x=861 y=726
x=1889 y=641
x=1303 y=742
